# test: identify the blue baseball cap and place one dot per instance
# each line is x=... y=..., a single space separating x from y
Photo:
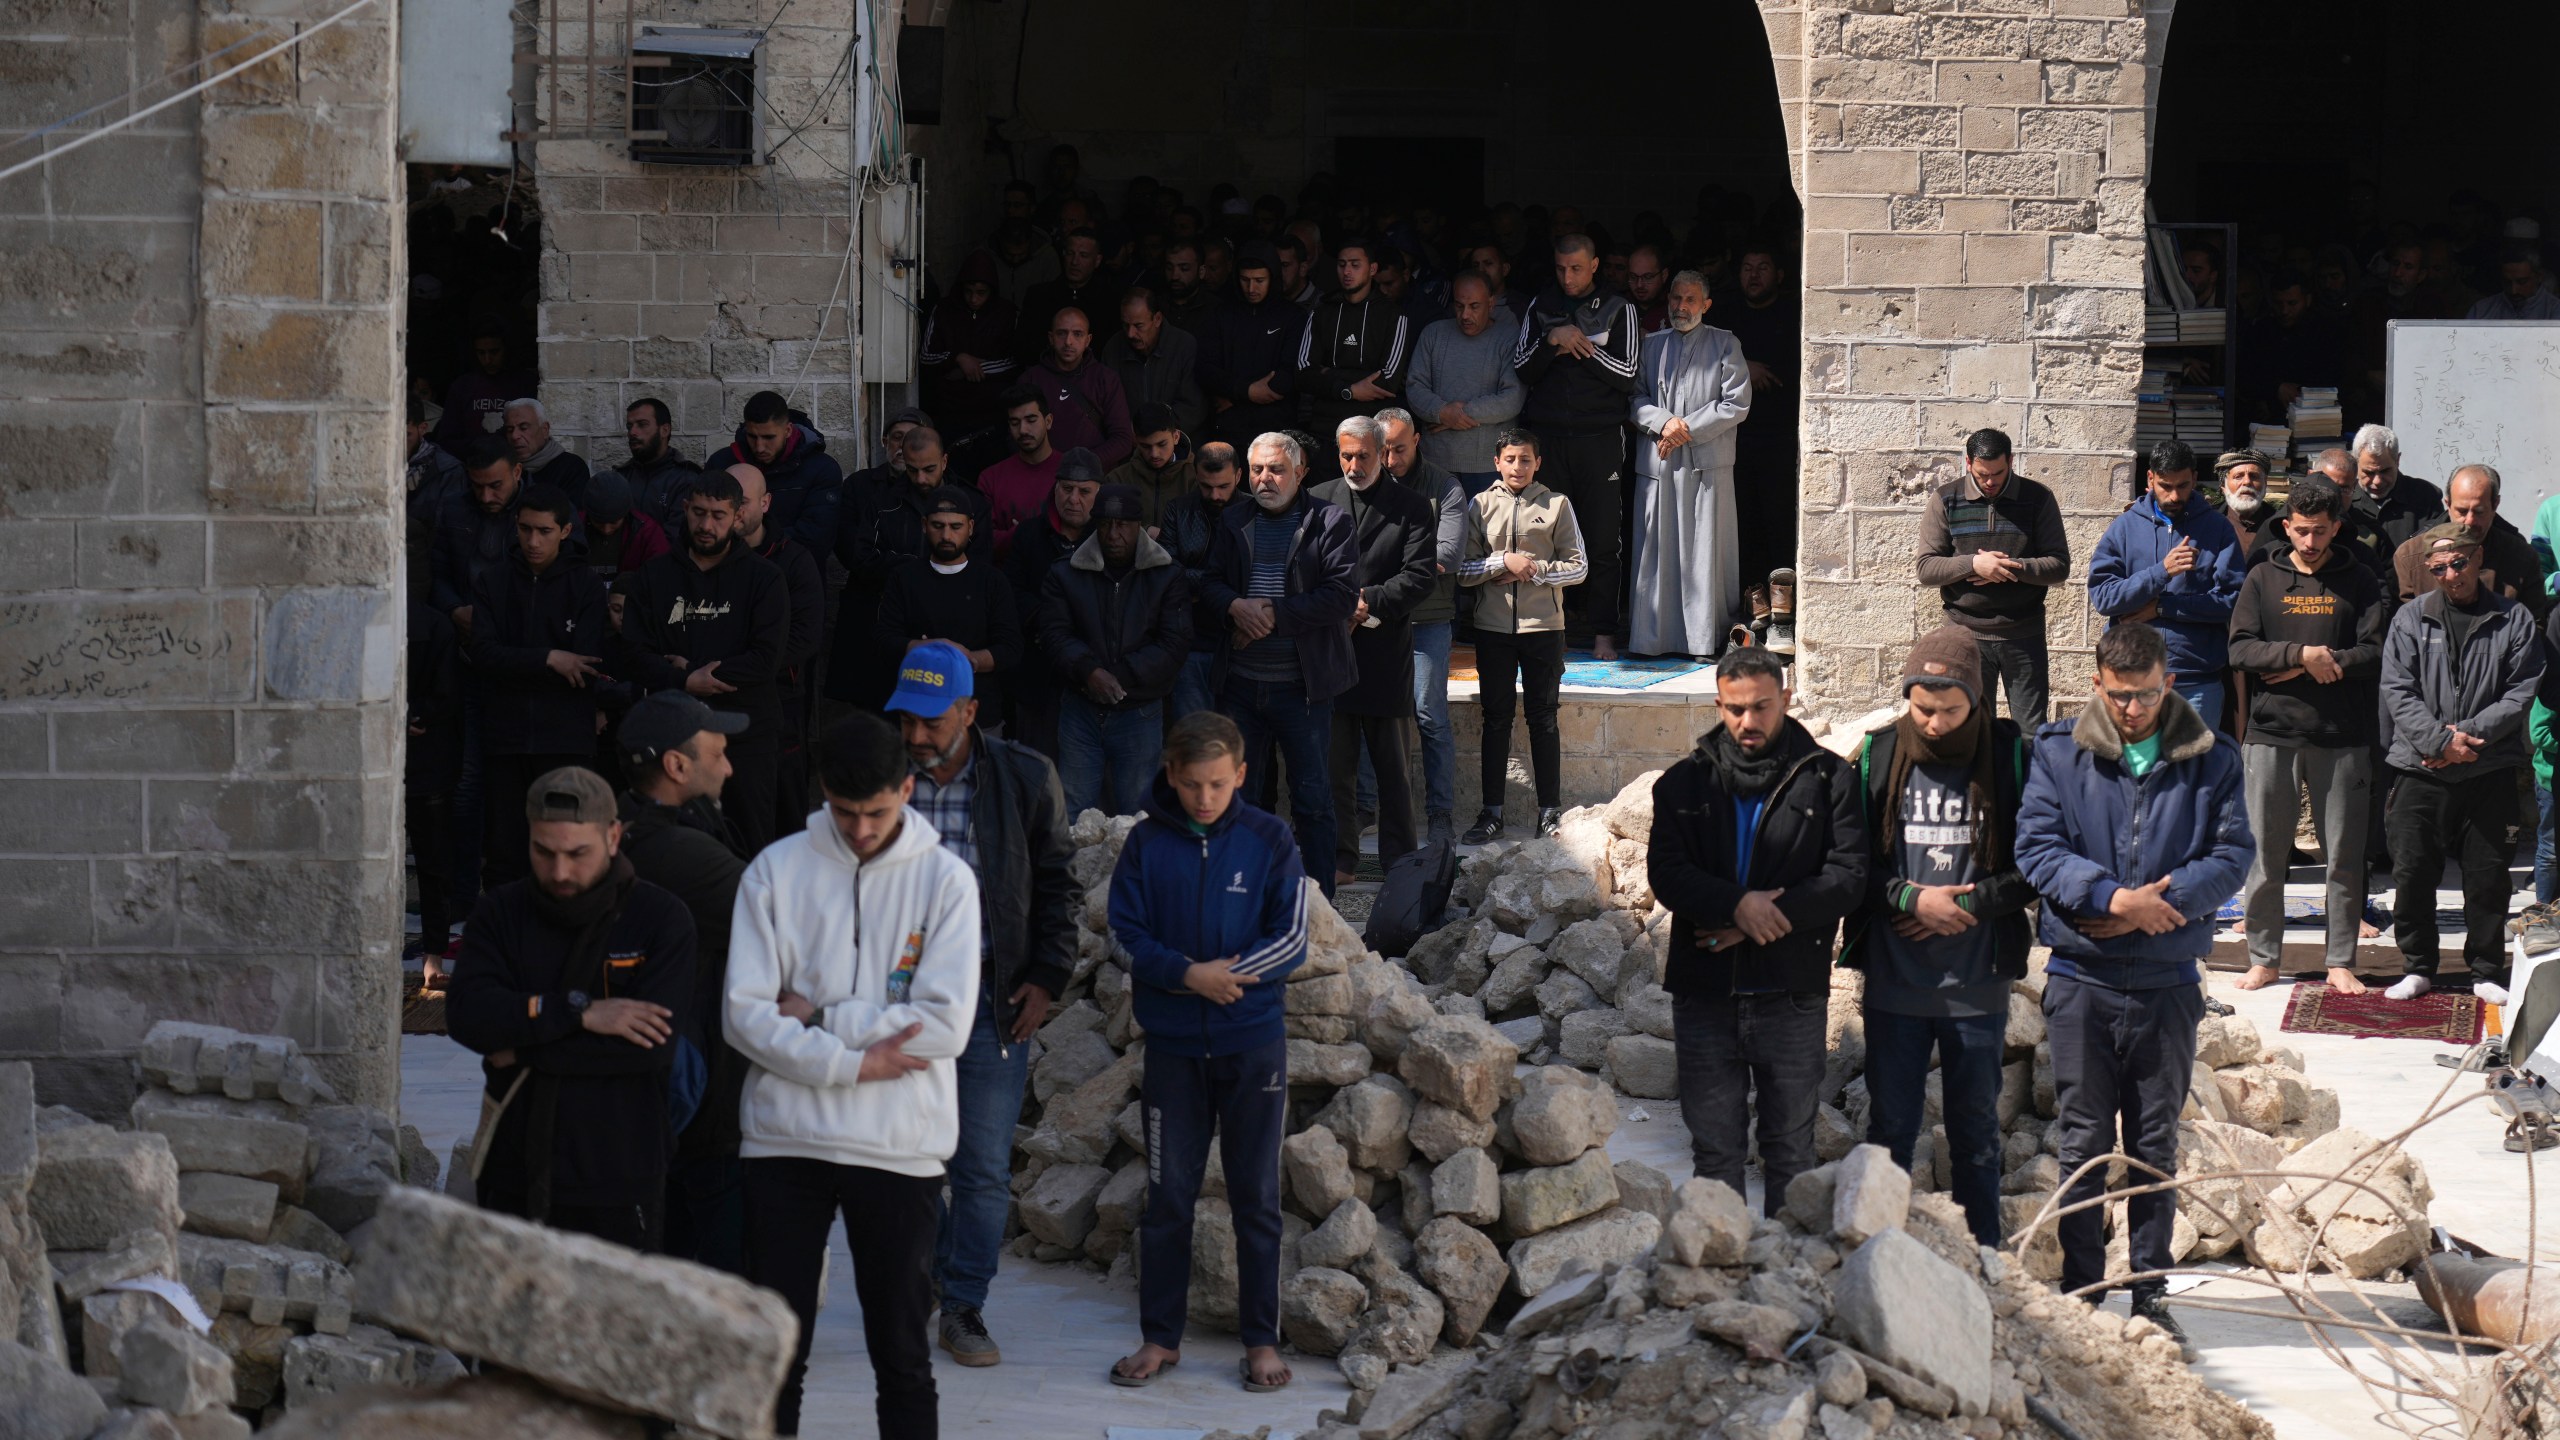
x=931 y=678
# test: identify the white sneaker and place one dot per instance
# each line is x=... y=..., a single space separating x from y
x=2409 y=987
x=2490 y=991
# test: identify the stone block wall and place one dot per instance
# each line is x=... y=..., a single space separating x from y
x=199 y=589
x=701 y=285
x=1973 y=179
x=1604 y=743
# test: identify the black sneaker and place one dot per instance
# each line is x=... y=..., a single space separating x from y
x=1486 y=830
x=964 y=1334
x=1549 y=820
x=2153 y=1305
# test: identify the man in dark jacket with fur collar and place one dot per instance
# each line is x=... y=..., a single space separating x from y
x=2134 y=829
x=1759 y=849
x=1944 y=929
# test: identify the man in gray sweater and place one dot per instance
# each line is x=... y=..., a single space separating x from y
x=1993 y=543
x=1461 y=384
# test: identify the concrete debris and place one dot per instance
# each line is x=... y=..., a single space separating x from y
x=596 y=1322
x=472 y=1409
x=1869 y=1195
x=172 y=1368
x=267 y=1283
x=79 y=1274
x=227 y=1205
x=321 y=1365
x=193 y=1059
x=257 y=1140
x=94 y=1185
x=44 y=1400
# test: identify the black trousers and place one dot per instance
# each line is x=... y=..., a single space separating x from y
x=2467 y=820
x=428 y=818
x=755 y=783
x=505 y=833
x=637 y=1227
x=791 y=766
x=2122 y=1063
x=1388 y=738
x=1538 y=659
x=1765 y=496
x=889 y=1224
x=1583 y=466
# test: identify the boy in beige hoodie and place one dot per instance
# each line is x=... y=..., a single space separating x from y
x=1523 y=548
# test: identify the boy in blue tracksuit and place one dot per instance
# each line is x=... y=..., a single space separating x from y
x=2173 y=561
x=2134 y=827
x=1210 y=902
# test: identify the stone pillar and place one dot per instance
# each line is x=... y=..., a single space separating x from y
x=200 y=625
x=1973 y=182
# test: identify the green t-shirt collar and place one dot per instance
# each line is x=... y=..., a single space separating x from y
x=2141 y=755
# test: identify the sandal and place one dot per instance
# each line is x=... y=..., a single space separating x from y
x=1141 y=1382
x=1244 y=1368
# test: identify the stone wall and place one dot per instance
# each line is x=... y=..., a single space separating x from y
x=700 y=285
x=199 y=604
x=1973 y=179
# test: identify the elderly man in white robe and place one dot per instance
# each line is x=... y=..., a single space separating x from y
x=1692 y=388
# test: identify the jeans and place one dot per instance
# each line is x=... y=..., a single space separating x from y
x=1431 y=712
x=1538 y=658
x=2546 y=863
x=991 y=1074
x=1245 y=1098
x=888 y=1224
x=2340 y=780
x=1276 y=714
x=2431 y=819
x=1730 y=1046
x=1969 y=1049
x=2021 y=668
x=2206 y=696
x=1191 y=689
x=1128 y=743
x=2122 y=1062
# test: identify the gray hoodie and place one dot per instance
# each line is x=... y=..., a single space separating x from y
x=1475 y=372
x=2485 y=691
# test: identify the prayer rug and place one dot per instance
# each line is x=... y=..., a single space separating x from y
x=2446 y=1017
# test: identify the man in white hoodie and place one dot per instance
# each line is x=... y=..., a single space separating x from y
x=853 y=982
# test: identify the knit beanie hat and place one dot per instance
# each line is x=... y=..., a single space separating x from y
x=1945 y=656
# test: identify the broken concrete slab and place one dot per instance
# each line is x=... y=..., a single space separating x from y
x=94 y=1185
x=1608 y=1238
x=1869 y=1194
x=1059 y=1208
x=267 y=1283
x=209 y=1133
x=230 y=1206
x=190 y=1058
x=171 y=1367
x=1540 y=1199
x=661 y=1337
x=1462 y=1063
x=321 y=1365
x=79 y=1274
x=44 y=1400
x=1898 y=1301
x=490 y=1406
x=1709 y=1225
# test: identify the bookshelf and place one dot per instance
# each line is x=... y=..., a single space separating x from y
x=2190 y=353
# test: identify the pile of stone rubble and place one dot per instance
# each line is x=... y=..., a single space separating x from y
x=186 y=1276
x=1432 y=1182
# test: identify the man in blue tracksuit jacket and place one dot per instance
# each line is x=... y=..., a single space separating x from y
x=1210 y=901
x=2135 y=829
x=2173 y=561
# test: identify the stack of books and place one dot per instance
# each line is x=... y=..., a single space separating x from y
x=2315 y=419
x=2159 y=325
x=2271 y=440
x=2203 y=327
x=2152 y=422
x=2196 y=415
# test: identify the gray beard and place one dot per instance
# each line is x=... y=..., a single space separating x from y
x=1685 y=323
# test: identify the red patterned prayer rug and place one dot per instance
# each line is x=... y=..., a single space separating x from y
x=2447 y=1017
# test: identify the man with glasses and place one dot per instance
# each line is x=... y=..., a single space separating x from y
x=2133 y=829
x=2459 y=672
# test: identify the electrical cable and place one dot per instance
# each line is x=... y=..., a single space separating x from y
x=77 y=116
x=191 y=91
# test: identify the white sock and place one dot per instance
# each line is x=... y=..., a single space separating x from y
x=2490 y=990
x=2409 y=987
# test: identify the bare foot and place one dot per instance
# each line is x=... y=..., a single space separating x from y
x=2343 y=981
x=1603 y=648
x=1344 y=877
x=2258 y=978
x=1145 y=1362
x=2367 y=930
x=1263 y=1366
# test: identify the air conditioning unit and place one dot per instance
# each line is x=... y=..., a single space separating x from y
x=695 y=96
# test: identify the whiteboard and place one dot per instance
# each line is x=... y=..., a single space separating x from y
x=2465 y=392
x=457 y=64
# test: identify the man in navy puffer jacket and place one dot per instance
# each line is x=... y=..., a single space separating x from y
x=2135 y=830
x=1210 y=901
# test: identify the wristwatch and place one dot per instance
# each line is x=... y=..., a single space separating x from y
x=578 y=1003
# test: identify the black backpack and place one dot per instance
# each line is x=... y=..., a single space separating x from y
x=1414 y=900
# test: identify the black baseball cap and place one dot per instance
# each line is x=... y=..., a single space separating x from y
x=668 y=720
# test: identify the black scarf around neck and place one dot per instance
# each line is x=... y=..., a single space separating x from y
x=1742 y=773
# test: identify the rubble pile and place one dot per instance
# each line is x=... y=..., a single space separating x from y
x=185 y=1272
x=1866 y=1311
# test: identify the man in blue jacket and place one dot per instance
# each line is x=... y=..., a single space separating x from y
x=2171 y=561
x=2134 y=828
x=1210 y=902
x=1284 y=580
